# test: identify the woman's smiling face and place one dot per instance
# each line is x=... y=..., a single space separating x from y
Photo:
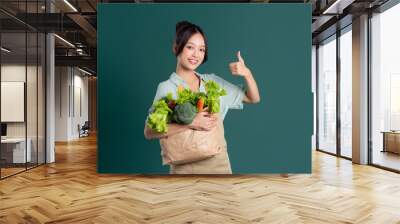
x=193 y=53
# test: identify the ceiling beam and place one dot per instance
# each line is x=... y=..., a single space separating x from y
x=86 y=61
x=329 y=13
x=86 y=26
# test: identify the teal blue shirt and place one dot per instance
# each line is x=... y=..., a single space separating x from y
x=233 y=99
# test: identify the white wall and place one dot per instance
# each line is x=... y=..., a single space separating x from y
x=9 y=73
x=80 y=105
x=62 y=81
x=15 y=72
x=71 y=92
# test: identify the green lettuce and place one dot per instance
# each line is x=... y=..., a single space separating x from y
x=185 y=96
x=214 y=91
x=160 y=116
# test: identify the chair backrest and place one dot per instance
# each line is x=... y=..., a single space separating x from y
x=86 y=125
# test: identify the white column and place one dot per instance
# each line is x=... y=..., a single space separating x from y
x=360 y=90
x=50 y=110
x=50 y=102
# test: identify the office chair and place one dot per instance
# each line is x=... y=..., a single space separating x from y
x=84 y=130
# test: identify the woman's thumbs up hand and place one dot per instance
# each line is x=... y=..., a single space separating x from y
x=239 y=67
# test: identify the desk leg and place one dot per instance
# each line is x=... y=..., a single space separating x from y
x=384 y=143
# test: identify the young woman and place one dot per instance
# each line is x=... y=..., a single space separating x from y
x=190 y=49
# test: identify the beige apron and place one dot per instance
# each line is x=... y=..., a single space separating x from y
x=218 y=164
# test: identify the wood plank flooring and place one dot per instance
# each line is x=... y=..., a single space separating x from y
x=70 y=191
x=10 y=171
x=388 y=159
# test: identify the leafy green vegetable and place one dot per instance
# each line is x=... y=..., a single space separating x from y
x=213 y=93
x=184 y=113
x=186 y=95
x=160 y=116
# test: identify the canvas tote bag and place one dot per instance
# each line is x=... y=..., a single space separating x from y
x=192 y=145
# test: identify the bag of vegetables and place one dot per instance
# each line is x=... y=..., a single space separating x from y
x=185 y=107
x=190 y=145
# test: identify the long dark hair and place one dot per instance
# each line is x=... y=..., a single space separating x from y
x=184 y=30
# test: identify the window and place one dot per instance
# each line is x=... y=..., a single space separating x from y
x=327 y=95
x=346 y=92
x=385 y=86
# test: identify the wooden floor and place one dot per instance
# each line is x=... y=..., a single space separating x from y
x=5 y=172
x=387 y=159
x=70 y=191
x=8 y=171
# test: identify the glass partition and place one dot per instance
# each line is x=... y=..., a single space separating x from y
x=14 y=153
x=22 y=88
x=327 y=95
x=385 y=89
x=346 y=92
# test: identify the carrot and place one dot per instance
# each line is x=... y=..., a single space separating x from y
x=200 y=104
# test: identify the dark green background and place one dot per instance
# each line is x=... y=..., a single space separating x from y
x=135 y=54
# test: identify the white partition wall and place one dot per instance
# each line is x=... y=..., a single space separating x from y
x=12 y=100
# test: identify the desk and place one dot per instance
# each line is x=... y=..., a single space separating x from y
x=15 y=148
x=391 y=141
